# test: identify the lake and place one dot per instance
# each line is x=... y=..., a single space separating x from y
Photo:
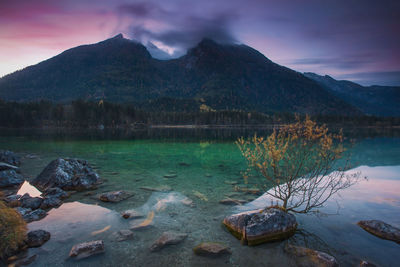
x=206 y=161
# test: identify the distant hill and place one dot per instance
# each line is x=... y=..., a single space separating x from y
x=371 y=100
x=211 y=75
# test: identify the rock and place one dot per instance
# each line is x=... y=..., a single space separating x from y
x=232 y=201
x=170 y=175
x=13 y=200
x=115 y=196
x=200 y=195
x=123 y=235
x=187 y=202
x=30 y=202
x=145 y=223
x=56 y=192
x=167 y=238
x=381 y=229
x=230 y=182
x=5 y=166
x=311 y=258
x=131 y=214
x=35 y=215
x=10 y=178
x=161 y=188
x=37 y=238
x=23 y=211
x=211 y=249
x=87 y=249
x=260 y=226
x=208 y=175
x=67 y=174
x=50 y=202
x=366 y=264
x=184 y=164
x=9 y=157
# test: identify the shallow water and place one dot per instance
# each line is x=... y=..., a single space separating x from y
x=205 y=163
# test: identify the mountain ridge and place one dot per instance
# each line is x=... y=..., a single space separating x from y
x=221 y=76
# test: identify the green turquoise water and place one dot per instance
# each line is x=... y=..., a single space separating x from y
x=206 y=162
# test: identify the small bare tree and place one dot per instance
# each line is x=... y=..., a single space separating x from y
x=300 y=164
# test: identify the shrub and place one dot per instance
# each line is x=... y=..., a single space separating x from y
x=12 y=230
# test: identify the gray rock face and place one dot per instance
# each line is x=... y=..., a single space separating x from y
x=260 y=226
x=10 y=178
x=67 y=174
x=37 y=238
x=87 y=249
x=114 y=196
x=50 y=202
x=30 y=202
x=9 y=157
x=381 y=229
x=211 y=249
x=311 y=258
x=167 y=238
x=35 y=215
x=55 y=192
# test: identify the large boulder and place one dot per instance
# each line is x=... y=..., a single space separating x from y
x=312 y=258
x=35 y=215
x=87 y=249
x=30 y=202
x=67 y=174
x=9 y=157
x=10 y=178
x=55 y=192
x=37 y=238
x=260 y=226
x=50 y=202
x=381 y=229
x=167 y=238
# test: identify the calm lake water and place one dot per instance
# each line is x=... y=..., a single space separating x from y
x=206 y=162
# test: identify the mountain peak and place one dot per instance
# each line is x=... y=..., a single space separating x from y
x=118 y=36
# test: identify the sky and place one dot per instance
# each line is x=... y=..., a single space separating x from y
x=357 y=40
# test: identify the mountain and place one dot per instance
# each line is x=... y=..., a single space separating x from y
x=212 y=75
x=371 y=100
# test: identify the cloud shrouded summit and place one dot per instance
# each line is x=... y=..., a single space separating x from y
x=340 y=38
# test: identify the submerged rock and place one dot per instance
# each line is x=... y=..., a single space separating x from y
x=10 y=178
x=87 y=249
x=9 y=157
x=115 y=196
x=211 y=249
x=232 y=201
x=312 y=258
x=131 y=214
x=35 y=215
x=381 y=229
x=170 y=175
x=260 y=226
x=366 y=264
x=30 y=202
x=123 y=235
x=37 y=238
x=161 y=188
x=253 y=191
x=67 y=174
x=167 y=238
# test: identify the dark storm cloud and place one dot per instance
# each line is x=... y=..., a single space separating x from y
x=184 y=29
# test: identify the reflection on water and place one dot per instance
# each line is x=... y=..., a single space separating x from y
x=28 y=188
x=202 y=163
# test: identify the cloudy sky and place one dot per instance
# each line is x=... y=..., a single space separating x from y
x=358 y=40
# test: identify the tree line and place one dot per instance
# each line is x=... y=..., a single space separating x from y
x=91 y=114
